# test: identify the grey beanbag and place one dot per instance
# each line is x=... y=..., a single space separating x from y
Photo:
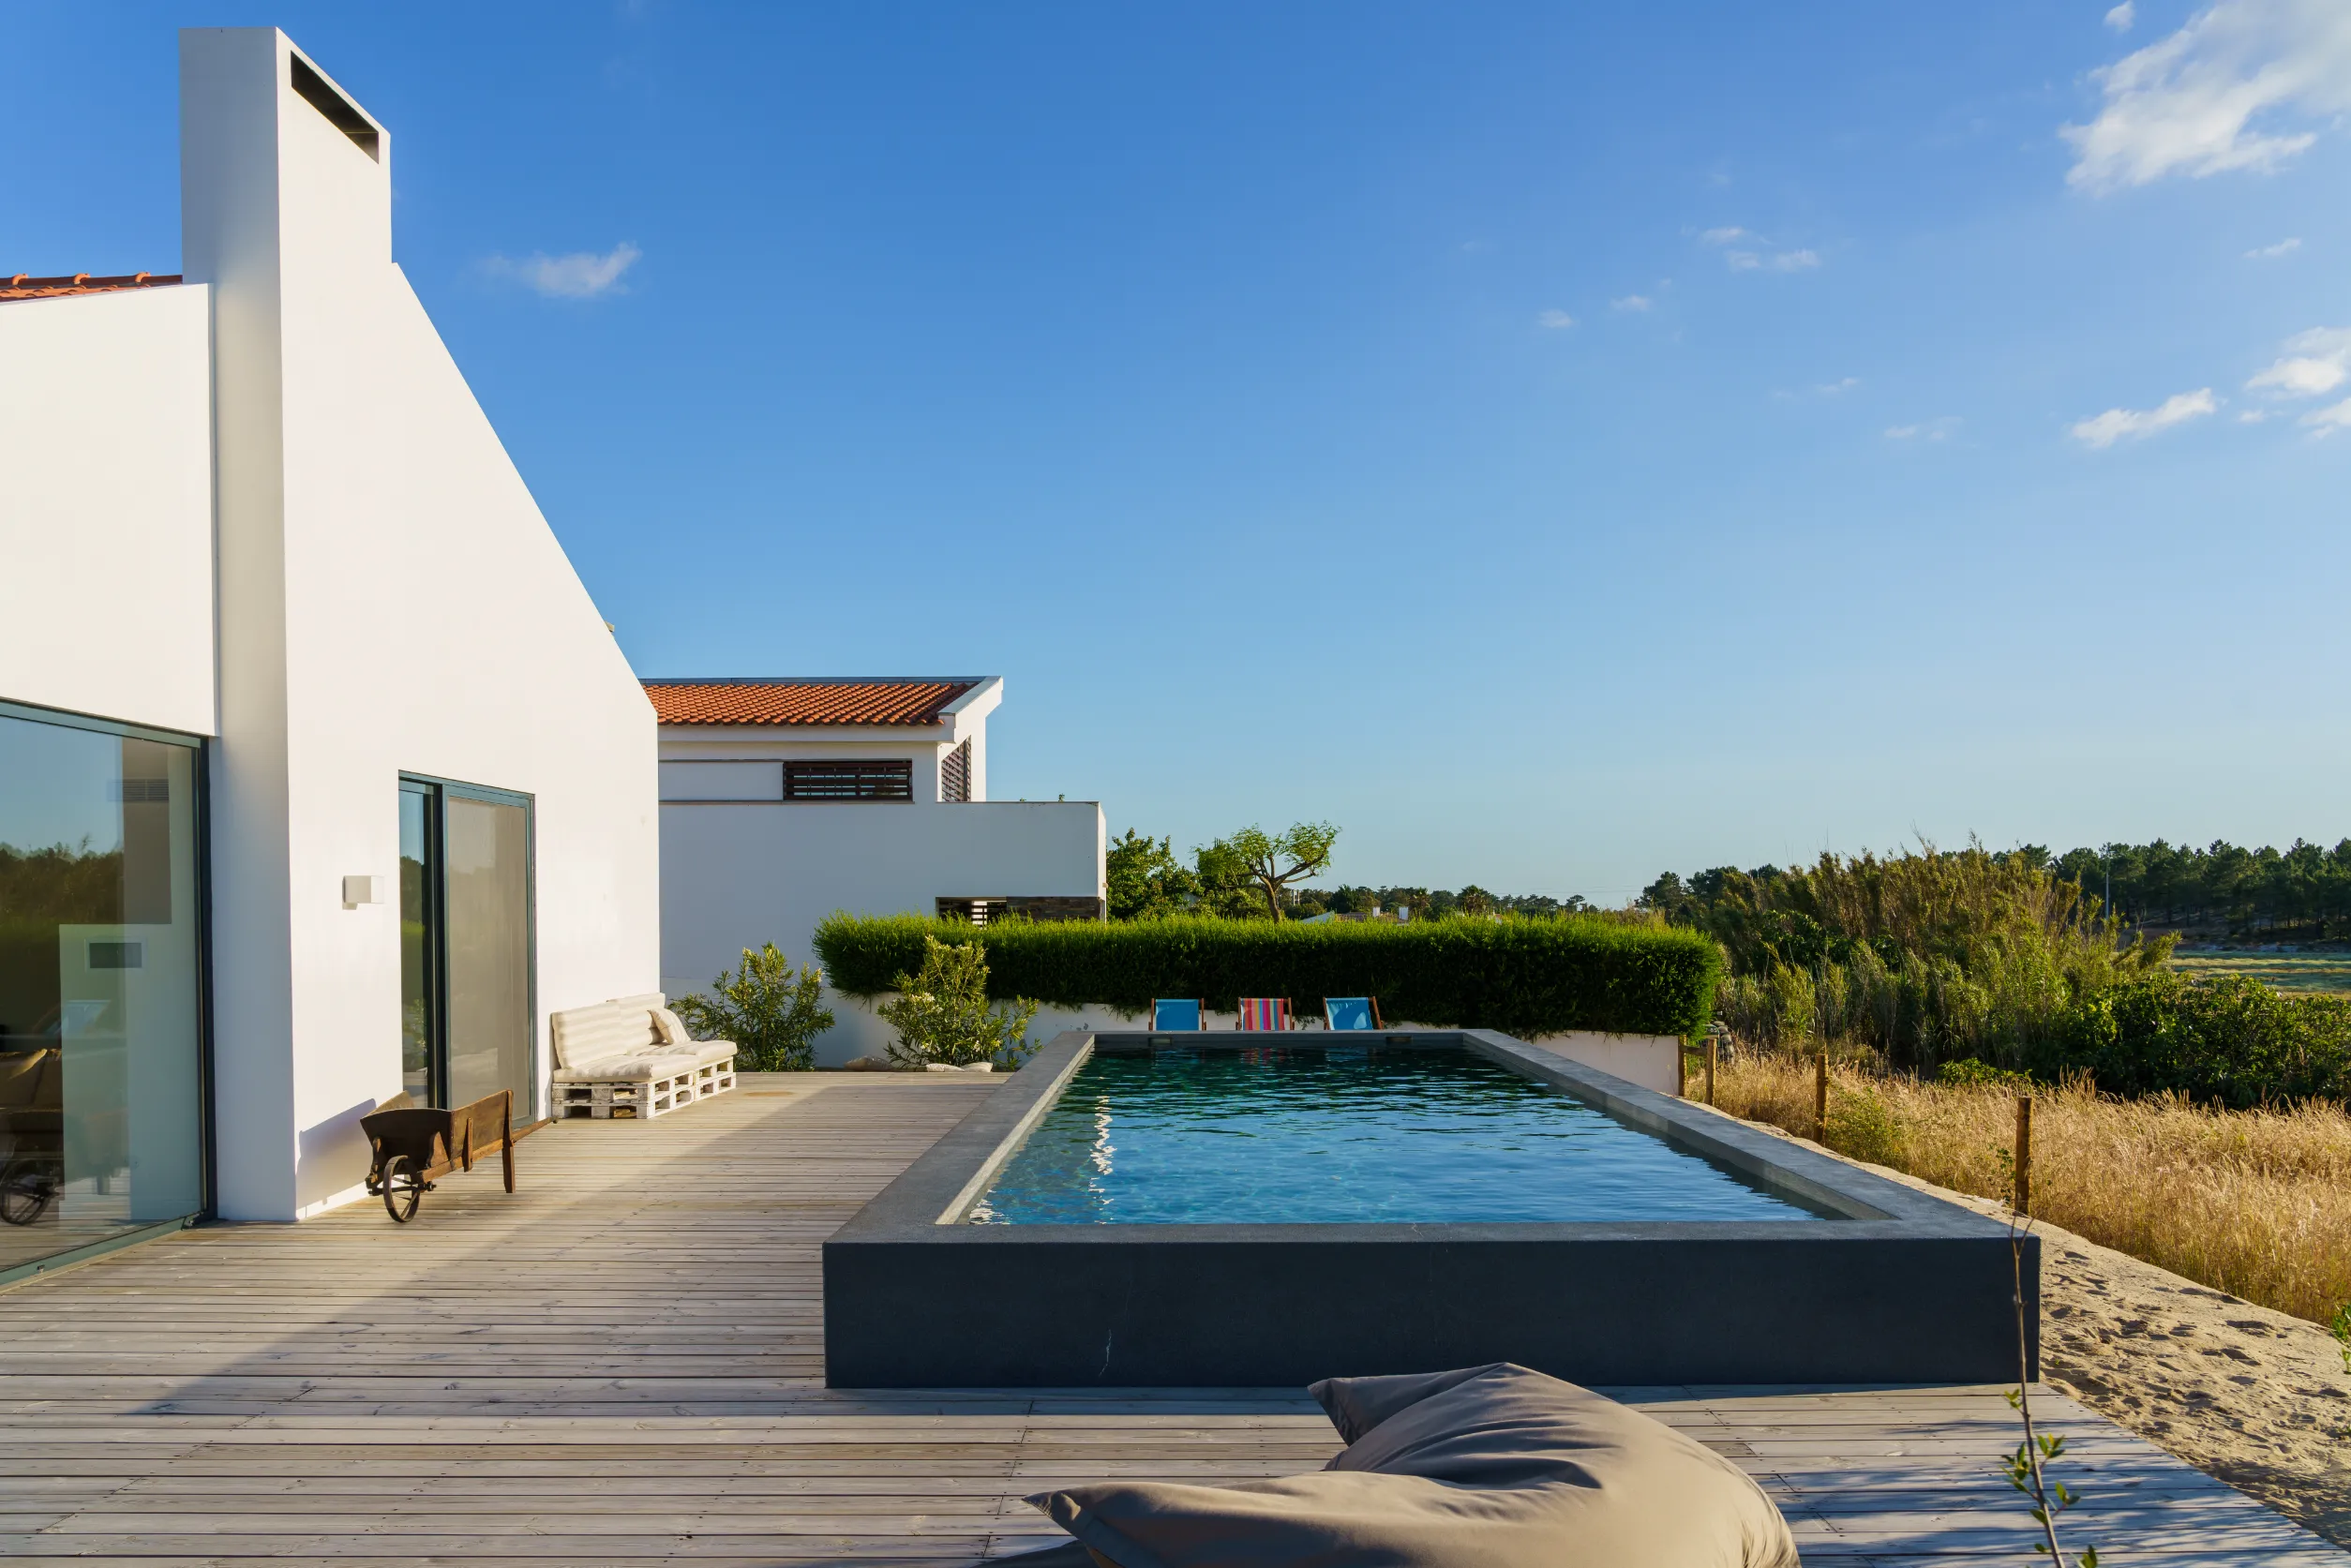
x=1491 y=1466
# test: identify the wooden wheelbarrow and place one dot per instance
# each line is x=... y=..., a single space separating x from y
x=415 y=1147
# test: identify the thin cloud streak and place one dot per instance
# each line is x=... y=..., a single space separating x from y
x=2116 y=424
x=580 y=274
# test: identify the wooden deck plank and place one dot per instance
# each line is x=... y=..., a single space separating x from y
x=530 y=1380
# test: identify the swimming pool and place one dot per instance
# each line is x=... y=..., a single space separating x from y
x=1193 y=1211
x=1343 y=1135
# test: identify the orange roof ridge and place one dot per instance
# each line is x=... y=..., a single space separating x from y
x=25 y=286
x=817 y=700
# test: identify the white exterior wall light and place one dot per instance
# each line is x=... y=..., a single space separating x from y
x=362 y=889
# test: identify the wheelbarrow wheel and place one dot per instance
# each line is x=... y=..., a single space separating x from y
x=26 y=1186
x=403 y=1187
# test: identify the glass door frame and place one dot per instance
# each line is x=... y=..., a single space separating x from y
x=437 y=792
x=208 y=1145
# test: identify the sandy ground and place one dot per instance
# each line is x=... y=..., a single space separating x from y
x=2255 y=1398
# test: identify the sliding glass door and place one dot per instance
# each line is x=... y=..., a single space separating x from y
x=465 y=1006
x=101 y=1086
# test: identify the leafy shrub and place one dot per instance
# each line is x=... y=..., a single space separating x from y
x=1972 y=1074
x=942 y=1014
x=772 y=1015
x=2230 y=1040
x=1523 y=976
x=1862 y=1126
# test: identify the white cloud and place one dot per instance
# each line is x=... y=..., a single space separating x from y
x=2317 y=361
x=2120 y=18
x=2271 y=252
x=1830 y=389
x=2254 y=416
x=1556 y=319
x=581 y=275
x=1631 y=302
x=1723 y=236
x=1931 y=430
x=1786 y=260
x=2136 y=423
x=2187 y=104
x=2328 y=421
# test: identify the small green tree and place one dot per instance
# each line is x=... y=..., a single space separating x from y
x=1223 y=885
x=1306 y=845
x=943 y=1014
x=772 y=1015
x=1144 y=878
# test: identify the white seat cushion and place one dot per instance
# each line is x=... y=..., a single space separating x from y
x=630 y=1070
x=676 y=1037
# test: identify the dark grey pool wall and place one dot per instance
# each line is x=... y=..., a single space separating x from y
x=1899 y=1287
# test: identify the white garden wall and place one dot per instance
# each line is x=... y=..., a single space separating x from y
x=1648 y=1060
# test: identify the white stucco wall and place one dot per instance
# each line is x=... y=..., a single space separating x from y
x=738 y=875
x=392 y=600
x=105 y=594
x=1648 y=1060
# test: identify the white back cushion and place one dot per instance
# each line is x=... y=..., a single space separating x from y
x=586 y=1035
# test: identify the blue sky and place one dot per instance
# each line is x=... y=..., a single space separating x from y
x=1555 y=446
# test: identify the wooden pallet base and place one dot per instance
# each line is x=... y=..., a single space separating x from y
x=640 y=1100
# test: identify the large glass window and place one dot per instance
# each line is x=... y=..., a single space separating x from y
x=101 y=1118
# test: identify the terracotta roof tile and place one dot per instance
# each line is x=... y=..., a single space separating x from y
x=805 y=702
x=24 y=286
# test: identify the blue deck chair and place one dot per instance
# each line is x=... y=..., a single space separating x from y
x=1173 y=1015
x=1352 y=1012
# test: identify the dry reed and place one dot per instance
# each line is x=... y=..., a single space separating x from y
x=2257 y=1204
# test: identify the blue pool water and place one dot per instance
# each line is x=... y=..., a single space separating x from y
x=1339 y=1135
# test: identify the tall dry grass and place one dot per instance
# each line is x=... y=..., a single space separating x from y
x=2253 y=1203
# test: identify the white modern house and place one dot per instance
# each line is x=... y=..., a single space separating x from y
x=320 y=776
x=783 y=801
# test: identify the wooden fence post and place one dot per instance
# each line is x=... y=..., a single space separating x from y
x=2023 y=1155
x=1682 y=1071
x=1713 y=1049
x=1820 y=1099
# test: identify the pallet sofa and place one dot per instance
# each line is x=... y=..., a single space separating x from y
x=629 y=1057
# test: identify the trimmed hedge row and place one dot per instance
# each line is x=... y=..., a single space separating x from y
x=1525 y=977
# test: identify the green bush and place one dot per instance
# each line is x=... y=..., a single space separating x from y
x=1864 y=1126
x=1972 y=1074
x=2233 y=1040
x=772 y=1014
x=942 y=1013
x=1522 y=975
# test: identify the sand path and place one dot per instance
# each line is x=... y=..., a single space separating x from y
x=2255 y=1398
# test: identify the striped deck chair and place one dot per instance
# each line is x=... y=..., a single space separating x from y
x=1353 y=1012
x=1167 y=1016
x=1265 y=1012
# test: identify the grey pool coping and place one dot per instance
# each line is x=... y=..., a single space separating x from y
x=1897 y=1286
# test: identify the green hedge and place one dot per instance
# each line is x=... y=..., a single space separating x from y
x=1524 y=976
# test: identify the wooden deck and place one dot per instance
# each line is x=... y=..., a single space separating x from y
x=622 y=1363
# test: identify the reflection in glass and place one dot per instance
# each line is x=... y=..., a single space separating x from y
x=485 y=850
x=100 y=1103
x=416 y=944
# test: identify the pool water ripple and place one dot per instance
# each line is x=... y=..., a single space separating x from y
x=1354 y=1134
